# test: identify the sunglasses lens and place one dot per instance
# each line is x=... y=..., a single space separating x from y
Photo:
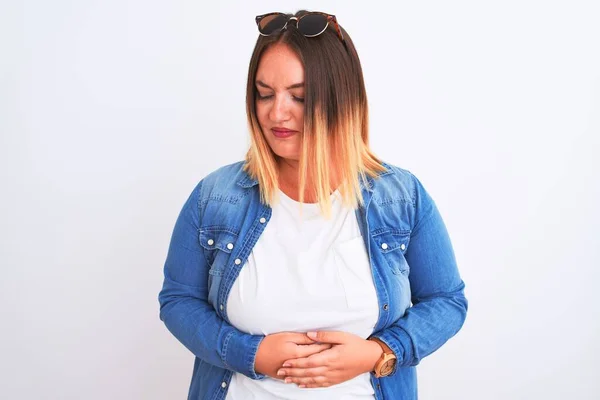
x=312 y=24
x=272 y=23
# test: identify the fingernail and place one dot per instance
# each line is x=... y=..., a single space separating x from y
x=288 y=380
x=312 y=335
x=287 y=364
x=281 y=372
x=301 y=386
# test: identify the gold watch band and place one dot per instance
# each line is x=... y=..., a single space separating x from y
x=383 y=362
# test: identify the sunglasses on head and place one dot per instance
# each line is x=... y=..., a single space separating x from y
x=311 y=24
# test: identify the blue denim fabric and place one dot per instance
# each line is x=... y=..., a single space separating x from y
x=411 y=256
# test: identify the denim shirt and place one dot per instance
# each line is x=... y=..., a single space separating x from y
x=419 y=290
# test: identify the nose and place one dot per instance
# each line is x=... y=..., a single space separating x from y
x=280 y=111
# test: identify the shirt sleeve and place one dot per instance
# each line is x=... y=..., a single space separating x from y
x=439 y=305
x=184 y=306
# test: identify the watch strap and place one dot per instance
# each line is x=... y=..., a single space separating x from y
x=386 y=356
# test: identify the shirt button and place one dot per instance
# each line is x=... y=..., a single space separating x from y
x=386 y=307
x=402 y=246
x=230 y=246
x=221 y=307
x=263 y=220
x=210 y=242
x=223 y=385
x=384 y=246
x=238 y=261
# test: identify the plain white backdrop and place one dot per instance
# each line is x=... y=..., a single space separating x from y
x=112 y=111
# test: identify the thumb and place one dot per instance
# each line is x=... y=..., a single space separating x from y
x=301 y=339
x=333 y=337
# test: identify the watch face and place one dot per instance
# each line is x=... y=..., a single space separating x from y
x=388 y=367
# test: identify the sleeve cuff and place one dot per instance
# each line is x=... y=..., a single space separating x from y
x=239 y=353
x=395 y=344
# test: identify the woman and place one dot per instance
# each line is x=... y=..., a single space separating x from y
x=290 y=275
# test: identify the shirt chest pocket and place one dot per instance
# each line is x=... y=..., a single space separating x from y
x=218 y=243
x=393 y=244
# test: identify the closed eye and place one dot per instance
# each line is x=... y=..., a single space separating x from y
x=259 y=97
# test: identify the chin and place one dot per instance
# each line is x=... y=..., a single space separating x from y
x=286 y=153
x=288 y=157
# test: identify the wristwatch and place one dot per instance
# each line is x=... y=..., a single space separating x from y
x=387 y=363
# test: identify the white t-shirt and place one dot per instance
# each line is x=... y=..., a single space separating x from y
x=305 y=274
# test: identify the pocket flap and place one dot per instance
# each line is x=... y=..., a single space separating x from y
x=215 y=237
x=392 y=239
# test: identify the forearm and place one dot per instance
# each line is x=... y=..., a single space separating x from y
x=426 y=326
x=197 y=326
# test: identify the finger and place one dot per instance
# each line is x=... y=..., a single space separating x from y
x=301 y=372
x=310 y=349
x=333 y=337
x=316 y=385
x=312 y=361
x=313 y=381
x=298 y=338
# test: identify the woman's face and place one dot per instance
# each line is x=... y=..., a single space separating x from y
x=280 y=100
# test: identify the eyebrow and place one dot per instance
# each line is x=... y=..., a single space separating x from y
x=294 y=86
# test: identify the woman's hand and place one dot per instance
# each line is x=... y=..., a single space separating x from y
x=276 y=348
x=349 y=357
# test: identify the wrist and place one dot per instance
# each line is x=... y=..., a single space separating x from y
x=375 y=352
x=258 y=357
x=386 y=365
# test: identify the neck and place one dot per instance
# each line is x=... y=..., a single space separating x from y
x=289 y=181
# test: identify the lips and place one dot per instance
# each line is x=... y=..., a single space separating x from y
x=282 y=133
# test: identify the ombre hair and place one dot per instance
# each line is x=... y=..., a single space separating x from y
x=335 y=133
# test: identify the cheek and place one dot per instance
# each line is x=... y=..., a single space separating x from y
x=300 y=114
x=297 y=112
x=262 y=112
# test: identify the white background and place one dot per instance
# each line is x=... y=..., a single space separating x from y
x=112 y=111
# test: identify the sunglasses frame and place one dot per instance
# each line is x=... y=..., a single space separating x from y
x=330 y=18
